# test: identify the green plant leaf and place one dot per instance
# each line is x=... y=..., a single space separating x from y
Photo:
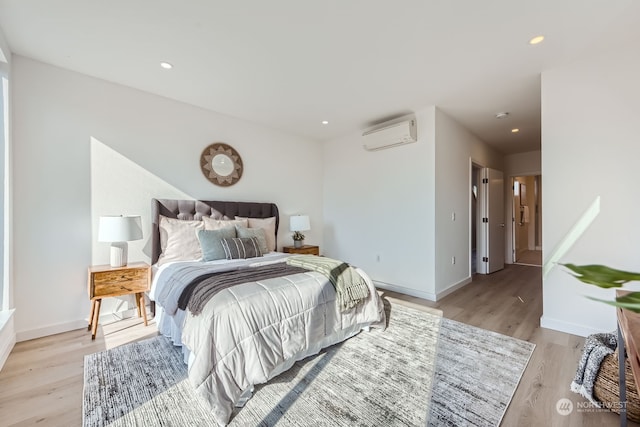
x=601 y=275
x=629 y=301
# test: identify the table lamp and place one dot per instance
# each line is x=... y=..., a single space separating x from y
x=119 y=230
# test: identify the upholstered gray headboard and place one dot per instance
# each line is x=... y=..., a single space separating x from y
x=196 y=209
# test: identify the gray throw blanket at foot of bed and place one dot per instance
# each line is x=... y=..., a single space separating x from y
x=351 y=288
x=596 y=348
x=198 y=293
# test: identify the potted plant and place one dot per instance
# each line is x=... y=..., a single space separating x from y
x=606 y=277
x=298 y=239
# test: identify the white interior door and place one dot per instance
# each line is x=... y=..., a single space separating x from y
x=492 y=208
x=515 y=213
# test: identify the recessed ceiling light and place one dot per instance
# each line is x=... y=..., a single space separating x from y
x=503 y=115
x=516 y=130
x=325 y=122
x=166 y=65
x=536 y=40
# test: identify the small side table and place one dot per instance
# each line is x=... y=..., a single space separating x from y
x=106 y=281
x=629 y=343
x=304 y=249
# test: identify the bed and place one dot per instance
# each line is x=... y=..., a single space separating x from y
x=248 y=328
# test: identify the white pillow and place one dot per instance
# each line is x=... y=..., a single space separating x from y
x=179 y=240
x=217 y=224
x=269 y=227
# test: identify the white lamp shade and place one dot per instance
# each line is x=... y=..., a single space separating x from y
x=299 y=223
x=119 y=228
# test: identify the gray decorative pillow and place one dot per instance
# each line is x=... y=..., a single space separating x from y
x=258 y=233
x=267 y=224
x=241 y=247
x=210 y=242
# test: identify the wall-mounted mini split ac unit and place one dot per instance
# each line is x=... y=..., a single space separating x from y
x=391 y=134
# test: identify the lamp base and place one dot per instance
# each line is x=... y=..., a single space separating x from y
x=119 y=254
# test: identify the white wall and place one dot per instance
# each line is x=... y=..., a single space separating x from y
x=379 y=207
x=521 y=164
x=57 y=113
x=5 y=69
x=455 y=146
x=7 y=329
x=397 y=204
x=590 y=148
x=112 y=194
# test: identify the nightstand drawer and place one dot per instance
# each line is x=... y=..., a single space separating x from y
x=304 y=250
x=131 y=280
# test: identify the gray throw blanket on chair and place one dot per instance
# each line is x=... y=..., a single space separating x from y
x=596 y=348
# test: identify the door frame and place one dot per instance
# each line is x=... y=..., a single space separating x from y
x=513 y=220
x=480 y=231
x=474 y=164
x=480 y=236
x=510 y=239
x=494 y=229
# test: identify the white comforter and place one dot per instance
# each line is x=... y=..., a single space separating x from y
x=250 y=333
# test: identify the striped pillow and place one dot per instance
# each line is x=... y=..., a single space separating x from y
x=241 y=247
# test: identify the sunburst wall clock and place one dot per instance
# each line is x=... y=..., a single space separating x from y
x=221 y=164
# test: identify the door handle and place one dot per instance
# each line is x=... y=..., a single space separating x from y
x=501 y=225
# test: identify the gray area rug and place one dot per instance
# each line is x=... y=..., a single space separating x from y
x=421 y=370
x=476 y=373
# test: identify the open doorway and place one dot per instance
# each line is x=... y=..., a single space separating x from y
x=475 y=179
x=527 y=220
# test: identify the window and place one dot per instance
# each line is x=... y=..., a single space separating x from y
x=4 y=138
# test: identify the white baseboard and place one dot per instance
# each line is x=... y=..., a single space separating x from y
x=407 y=291
x=569 y=328
x=7 y=336
x=59 y=328
x=452 y=288
x=421 y=294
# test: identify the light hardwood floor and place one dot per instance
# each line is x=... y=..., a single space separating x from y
x=41 y=382
x=510 y=302
x=528 y=257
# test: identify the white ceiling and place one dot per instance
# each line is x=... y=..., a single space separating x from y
x=290 y=64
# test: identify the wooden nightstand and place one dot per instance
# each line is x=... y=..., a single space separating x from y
x=305 y=249
x=107 y=281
